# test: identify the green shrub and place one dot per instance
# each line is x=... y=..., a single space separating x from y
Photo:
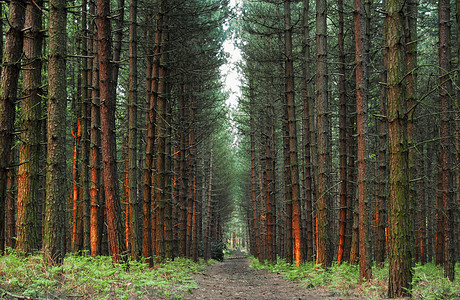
x=97 y=277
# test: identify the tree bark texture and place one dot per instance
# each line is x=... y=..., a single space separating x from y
x=29 y=203
x=323 y=245
x=399 y=219
x=361 y=124
x=54 y=231
x=107 y=98
x=8 y=98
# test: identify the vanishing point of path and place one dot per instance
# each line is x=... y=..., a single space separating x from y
x=233 y=279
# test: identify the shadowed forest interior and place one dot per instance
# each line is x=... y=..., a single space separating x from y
x=338 y=139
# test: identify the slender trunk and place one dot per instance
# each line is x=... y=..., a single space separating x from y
x=445 y=92
x=361 y=124
x=380 y=210
x=421 y=206
x=133 y=199
x=182 y=171
x=254 y=211
x=291 y=119
x=207 y=236
x=342 y=137
x=411 y=90
x=11 y=199
x=323 y=247
x=307 y=106
x=149 y=151
x=96 y=194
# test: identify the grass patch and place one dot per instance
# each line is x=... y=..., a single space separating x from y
x=96 y=278
x=343 y=280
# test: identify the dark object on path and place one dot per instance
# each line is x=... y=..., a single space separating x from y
x=217 y=250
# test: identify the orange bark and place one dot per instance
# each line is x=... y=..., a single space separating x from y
x=74 y=196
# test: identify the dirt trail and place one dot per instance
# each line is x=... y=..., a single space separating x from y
x=232 y=279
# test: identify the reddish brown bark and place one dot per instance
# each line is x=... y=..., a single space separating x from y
x=107 y=96
x=291 y=119
x=96 y=207
x=28 y=201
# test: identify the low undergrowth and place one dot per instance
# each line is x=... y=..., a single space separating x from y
x=86 y=277
x=343 y=280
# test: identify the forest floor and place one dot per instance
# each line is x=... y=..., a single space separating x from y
x=233 y=279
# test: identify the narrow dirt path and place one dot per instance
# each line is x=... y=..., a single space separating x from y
x=232 y=279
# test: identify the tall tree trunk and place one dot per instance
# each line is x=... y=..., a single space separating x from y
x=290 y=102
x=207 y=236
x=287 y=189
x=149 y=149
x=85 y=118
x=380 y=210
x=323 y=247
x=182 y=171
x=190 y=170
x=456 y=207
x=133 y=200
x=342 y=137
x=446 y=184
x=8 y=98
x=161 y=129
x=307 y=107
x=28 y=202
x=361 y=124
x=96 y=187
x=107 y=96
x=411 y=90
x=399 y=220
x=255 y=223
x=54 y=231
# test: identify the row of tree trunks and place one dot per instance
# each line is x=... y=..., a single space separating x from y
x=355 y=171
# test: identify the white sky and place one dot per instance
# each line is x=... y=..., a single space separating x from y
x=230 y=76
